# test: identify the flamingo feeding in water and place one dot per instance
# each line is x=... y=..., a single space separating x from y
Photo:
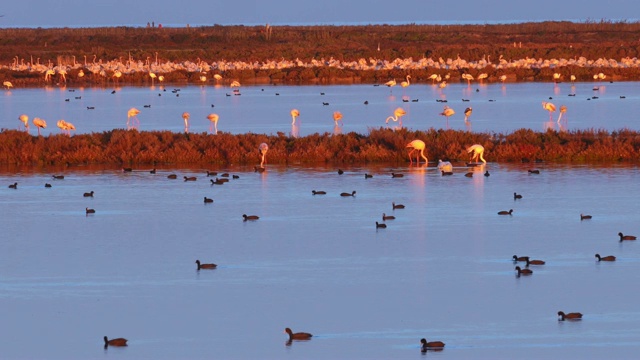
x=7 y=84
x=563 y=109
x=263 y=151
x=66 y=127
x=25 y=120
x=294 y=115
x=186 y=116
x=337 y=116
x=417 y=145
x=550 y=108
x=132 y=118
x=39 y=123
x=397 y=115
x=477 y=151
x=213 y=118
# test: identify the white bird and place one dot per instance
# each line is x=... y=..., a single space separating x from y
x=185 y=117
x=132 y=118
x=447 y=112
x=417 y=145
x=549 y=107
x=397 y=115
x=337 y=116
x=7 y=84
x=445 y=166
x=39 y=123
x=563 y=109
x=65 y=127
x=263 y=151
x=213 y=118
x=407 y=82
x=294 y=115
x=25 y=120
x=478 y=151
x=235 y=84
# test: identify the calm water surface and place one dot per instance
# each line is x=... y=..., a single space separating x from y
x=441 y=270
x=265 y=109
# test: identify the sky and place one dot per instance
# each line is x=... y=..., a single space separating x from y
x=91 y=13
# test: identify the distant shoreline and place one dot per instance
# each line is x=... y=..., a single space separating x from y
x=374 y=54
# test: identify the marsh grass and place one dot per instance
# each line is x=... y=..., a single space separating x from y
x=378 y=146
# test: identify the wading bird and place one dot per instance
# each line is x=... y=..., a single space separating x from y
x=563 y=109
x=397 y=115
x=7 y=84
x=65 y=127
x=477 y=152
x=132 y=118
x=406 y=83
x=263 y=148
x=447 y=112
x=213 y=127
x=467 y=113
x=417 y=145
x=550 y=108
x=25 y=120
x=185 y=117
x=39 y=123
x=337 y=116
x=294 y=115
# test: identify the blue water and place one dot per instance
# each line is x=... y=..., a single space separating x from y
x=496 y=107
x=441 y=270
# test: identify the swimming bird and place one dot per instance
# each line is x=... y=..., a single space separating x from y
x=477 y=152
x=469 y=174
x=550 y=107
x=445 y=166
x=626 y=237
x=250 y=217
x=298 y=335
x=516 y=196
x=294 y=115
x=398 y=113
x=25 y=120
x=205 y=266
x=185 y=117
x=340 y=172
x=263 y=148
x=114 y=342
x=13 y=186
x=132 y=118
x=88 y=194
x=523 y=271
x=40 y=124
x=430 y=345
x=396 y=175
x=534 y=262
x=585 y=217
x=486 y=173
x=397 y=206
x=353 y=193
x=467 y=113
x=569 y=316
x=386 y=217
x=520 y=258
x=380 y=226
x=337 y=116
x=605 y=258
x=47 y=185
x=446 y=173
x=417 y=145
x=207 y=200
x=172 y=176
x=368 y=176
x=190 y=178
x=90 y=211
x=533 y=171
x=320 y=192
x=504 y=212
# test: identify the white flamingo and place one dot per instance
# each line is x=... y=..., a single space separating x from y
x=294 y=115
x=213 y=118
x=263 y=151
x=477 y=151
x=132 y=118
x=563 y=109
x=550 y=107
x=417 y=145
x=337 y=116
x=407 y=82
x=397 y=115
x=185 y=117
x=7 y=84
x=25 y=120
x=40 y=124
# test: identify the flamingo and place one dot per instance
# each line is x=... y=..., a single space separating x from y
x=186 y=116
x=549 y=107
x=117 y=74
x=39 y=123
x=263 y=151
x=573 y=78
x=563 y=109
x=337 y=116
x=80 y=73
x=478 y=151
x=294 y=115
x=433 y=78
x=153 y=78
x=48 y=74
x=65 y=127
x=217 y=77
x=468 y=77
x=203 y=78
x=407 y=82
x=445 y=166
x=556 y=77
x=390 y=84
x=417 y=145
x=132 y=113
x=161 y=78
x=503 y=78
x=482 y=77
x=7 y=84
x=235 y=84
x=25 y=120
x=398 y=114
x=447 y=112
x=214 y=122
x=467 y=113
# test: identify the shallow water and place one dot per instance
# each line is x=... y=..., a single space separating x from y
x=441 y=270
x=266 y=109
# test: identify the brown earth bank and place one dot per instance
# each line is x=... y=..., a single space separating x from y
x=131 y=148
x=78 y=48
